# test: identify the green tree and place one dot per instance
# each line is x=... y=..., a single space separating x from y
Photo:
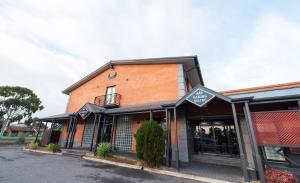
x=150 y=143
x=16 y=104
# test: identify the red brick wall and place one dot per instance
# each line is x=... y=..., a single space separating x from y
x=137 y=84
x=64 y=132
x=79 y=133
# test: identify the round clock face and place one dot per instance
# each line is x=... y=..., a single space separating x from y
x=112 y=74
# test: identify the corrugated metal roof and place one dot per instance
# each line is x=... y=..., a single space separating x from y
x=269 y=93
x=262 y=88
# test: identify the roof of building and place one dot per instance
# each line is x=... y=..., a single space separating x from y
x=262 y=88
x=56 y=117
x=190 y=61
x=269 y=91
x=20 y=128
x=92 y=108
x=138 y=108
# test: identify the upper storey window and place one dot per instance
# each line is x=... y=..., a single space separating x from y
x=110 y=99
x=110 y=95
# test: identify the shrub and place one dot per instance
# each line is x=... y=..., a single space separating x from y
x=278 y=176
x=21 y=140
x=54 y=147
x=150 y=143
x=32 y=145
x=103 y=149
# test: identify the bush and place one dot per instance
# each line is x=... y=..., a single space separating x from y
x=103 y=149
x=150 y=143
x=278 y=176
x=32 y=145
x=21 y=140
x=54 y=147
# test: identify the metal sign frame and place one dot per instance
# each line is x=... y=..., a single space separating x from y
x=204 y=103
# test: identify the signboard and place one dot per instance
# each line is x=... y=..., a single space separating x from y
x=84 y=112
x=200 y=97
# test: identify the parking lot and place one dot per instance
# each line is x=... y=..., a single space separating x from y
x=18 y=166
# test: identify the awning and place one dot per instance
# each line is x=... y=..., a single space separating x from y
x=200 y=96
x=89 y=108
x=139 y=108
x=56 y=118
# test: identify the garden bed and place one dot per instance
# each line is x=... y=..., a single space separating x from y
x=119 y=159
x=43 y=150
x=50 y=149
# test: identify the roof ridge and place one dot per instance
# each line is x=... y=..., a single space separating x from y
x=144 y=61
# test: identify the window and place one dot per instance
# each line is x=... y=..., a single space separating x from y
x=271 y=153
x=124 y=133
x=110 y=95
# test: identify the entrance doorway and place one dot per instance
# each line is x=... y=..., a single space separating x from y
x=105 y=132
x=214 y=137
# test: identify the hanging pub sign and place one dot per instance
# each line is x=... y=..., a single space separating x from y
x=84 y=112
x=200 y=97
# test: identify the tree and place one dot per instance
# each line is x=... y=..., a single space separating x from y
x=150 y=143
x=16 y=104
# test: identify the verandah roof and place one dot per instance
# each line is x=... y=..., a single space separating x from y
x=92 y=108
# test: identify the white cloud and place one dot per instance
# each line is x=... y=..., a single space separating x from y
x=270 y=55
x=48 y=45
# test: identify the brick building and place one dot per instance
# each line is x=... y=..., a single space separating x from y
x=231 y=127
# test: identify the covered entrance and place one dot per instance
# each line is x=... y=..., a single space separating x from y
x=213 y=130
x=214 y=137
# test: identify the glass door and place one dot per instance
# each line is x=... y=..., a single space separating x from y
x=214 y=137
x=110 y=95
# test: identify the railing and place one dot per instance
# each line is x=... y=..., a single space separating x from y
x=110 y=100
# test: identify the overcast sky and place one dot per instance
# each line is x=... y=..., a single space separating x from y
x=48 y=45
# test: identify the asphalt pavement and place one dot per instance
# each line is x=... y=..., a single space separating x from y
x=18 y=166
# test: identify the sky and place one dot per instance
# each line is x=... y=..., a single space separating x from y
x=48 y=45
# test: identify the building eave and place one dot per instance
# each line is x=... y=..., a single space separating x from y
x=162 y=60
